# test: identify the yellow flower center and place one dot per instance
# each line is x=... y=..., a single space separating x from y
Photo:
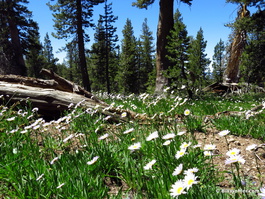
x=190 y=182
x=179 y=190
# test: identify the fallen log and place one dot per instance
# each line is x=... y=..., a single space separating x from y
x=52 y=97
x=66 y=85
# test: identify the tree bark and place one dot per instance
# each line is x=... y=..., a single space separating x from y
x=81 y=47
x=165 y=24
x=52 y=97
x=19 y=67
x=231 y=74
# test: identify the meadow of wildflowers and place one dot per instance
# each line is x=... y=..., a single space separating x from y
x=83 y=155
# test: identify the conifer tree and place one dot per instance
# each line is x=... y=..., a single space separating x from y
x=219 y=61
x=178 y=45
x=146 y=58
x=103 y=51
x=165 y=24
x=128 y=76
x=252 y=68
x=16 y=26
x=35 y=60
x=71 y=19
x=198 y=63
x=48 y=54
x=74 y=73
x=98 y=59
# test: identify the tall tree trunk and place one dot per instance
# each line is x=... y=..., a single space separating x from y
x=19 y=67
x=231 y=74
x=81 y=47
x=165 y=24
x=107 y=66
x=107 y=43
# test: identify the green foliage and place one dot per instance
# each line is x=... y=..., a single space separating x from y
x=48 y=54
x=35 y=60
x=219 y=61
x=146 y=3
x=253 y=63
x=104 y=53
x=178 y=45
x=248 y=2
x=128 y=75
x=146 y=58
x=143 y=3
x=71 y=19
x=198 y=62
x=17 y=28
x=73 y=70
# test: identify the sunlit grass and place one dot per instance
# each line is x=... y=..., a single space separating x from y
x=83 y=155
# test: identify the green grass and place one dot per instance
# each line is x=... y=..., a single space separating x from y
x=28 y=145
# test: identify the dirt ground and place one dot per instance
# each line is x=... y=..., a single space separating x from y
x=252 y=171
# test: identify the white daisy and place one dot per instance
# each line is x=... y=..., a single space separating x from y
x=135 y=146
x=124 y=114
x=181 y=132
x=208 y=153
x=180 y=153
x=60 y=186
x=189 y=171
x=103 y=136
x=149 y=165
x=190 y=180
x=251 y=147
x=93 y=160
x=169 y=136
x=187 y=112
x=185 y=145
x=152 y=136
x=233 y=152
x=167 y=142
x=209 y=147
x=223 y=133
x=128 y=131
x=177 y=188
x=178 y=170
x=54 y=159
x=235 y=158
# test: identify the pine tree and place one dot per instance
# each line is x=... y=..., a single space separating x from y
x=104 y=51
x=128 y=76
x=252 y=68
x=48 y=54
x=35 y=60
x=71 y=19
x=98 y=59
x=178 y=45
x=165 y=24
x=219 y=61
x=74 y=73
x=110 y=42
x=198 y=63
x=16 y=27
x=146 y=58
x=242 y=50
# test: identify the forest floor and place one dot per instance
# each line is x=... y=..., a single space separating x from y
x=253 y=171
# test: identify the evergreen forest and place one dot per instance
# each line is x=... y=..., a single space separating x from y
x=172 y=60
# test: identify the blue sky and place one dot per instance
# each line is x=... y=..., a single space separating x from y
x=210 y=15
